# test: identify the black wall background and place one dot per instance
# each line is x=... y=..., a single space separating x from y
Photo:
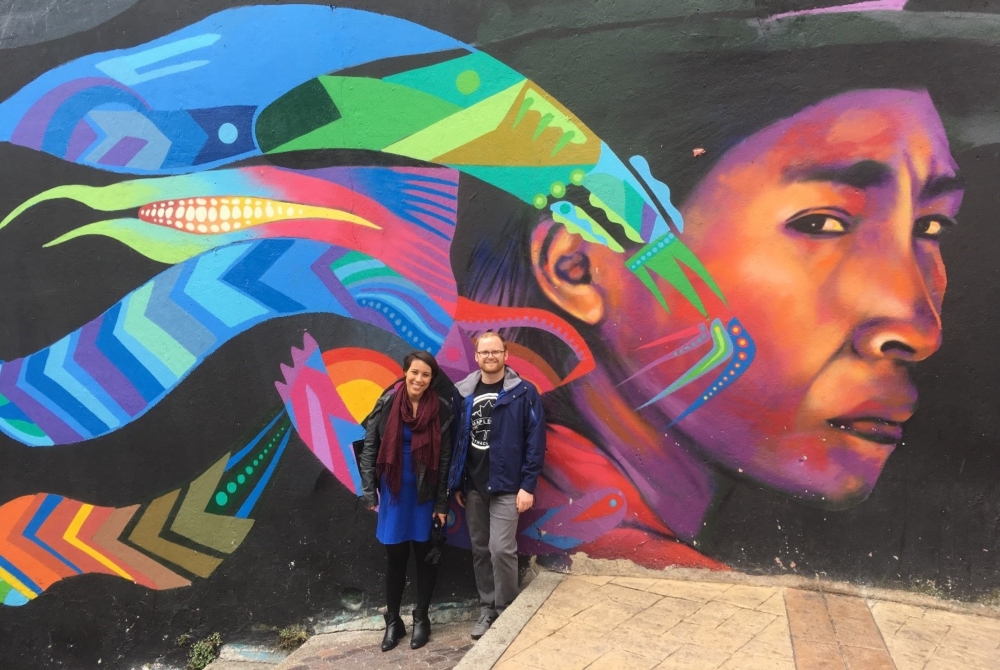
x=932 y=523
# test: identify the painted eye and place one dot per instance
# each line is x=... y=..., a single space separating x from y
x=819 y=224
x=931 y=227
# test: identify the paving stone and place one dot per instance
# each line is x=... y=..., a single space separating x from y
x=775 y=604
x=865 y=658
x=700 y=592
x=743 y=660
x=749 y=597
x=622 y=660
x=808 y=618
x=637 y=583
x=607 y=614
x=541 y=656
x=689 y=657
x=818 y=656
x=642 y=641
x=853 y=623
x=711 y=613
x=629 y=596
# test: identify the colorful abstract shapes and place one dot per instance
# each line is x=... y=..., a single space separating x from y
x=579 y=521
x=320 y=416
x=664 y=257
x=186 y=93
x=722 y=350
x=360 y=376
x=745 y=351
x=163 y=544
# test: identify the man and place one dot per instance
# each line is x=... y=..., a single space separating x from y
x=500 y=452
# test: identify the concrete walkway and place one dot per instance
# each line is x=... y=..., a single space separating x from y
x=601 y=622
x=573 y=622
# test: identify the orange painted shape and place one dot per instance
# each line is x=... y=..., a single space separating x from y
x=51 y=532
x=11 y=514
x=32 y=548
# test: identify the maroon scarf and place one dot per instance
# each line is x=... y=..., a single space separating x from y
x=425 y=445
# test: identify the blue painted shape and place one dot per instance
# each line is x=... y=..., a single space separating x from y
x=659 y=190
x=55 y=397
x=63 y=122
x=21 y=577
x=123 y=359
x=347 y=433
x=228 y=132
x=247 y=507
x=246 y=273
x=241 y=56
x=236 y=458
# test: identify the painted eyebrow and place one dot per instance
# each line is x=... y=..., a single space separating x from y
x=942 y=184
x=861 y=175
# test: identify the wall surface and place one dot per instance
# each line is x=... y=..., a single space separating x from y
x=746 y=251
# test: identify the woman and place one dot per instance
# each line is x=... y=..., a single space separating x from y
x=408 y=451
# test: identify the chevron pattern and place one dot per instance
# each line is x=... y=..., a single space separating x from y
x=163 y=544
x=116 y=367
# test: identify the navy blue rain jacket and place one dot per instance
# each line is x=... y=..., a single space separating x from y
x=517 y=435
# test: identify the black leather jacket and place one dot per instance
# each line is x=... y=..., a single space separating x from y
x=377 y=421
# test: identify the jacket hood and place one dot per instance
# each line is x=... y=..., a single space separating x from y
x=467 y=386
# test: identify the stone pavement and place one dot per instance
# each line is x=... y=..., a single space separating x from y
x=358 y=650
x=600 y=622
x=728 y=622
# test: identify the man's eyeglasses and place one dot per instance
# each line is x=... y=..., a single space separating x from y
x=496 y=353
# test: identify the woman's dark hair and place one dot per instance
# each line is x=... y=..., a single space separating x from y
x=425 y=357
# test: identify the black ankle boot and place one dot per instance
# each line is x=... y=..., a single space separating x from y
x=421 y=629
x=394 y=631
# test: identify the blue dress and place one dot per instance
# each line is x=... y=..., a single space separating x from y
x=403 y=519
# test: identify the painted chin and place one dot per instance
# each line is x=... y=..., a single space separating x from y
x=832 y=468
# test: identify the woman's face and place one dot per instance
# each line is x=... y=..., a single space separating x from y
x=418 y=379
x=822 y=231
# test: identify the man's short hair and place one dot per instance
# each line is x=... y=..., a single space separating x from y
x=491 y=333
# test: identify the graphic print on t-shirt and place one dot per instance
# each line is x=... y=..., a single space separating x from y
x=482 y=413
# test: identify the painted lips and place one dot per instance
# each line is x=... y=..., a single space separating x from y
x=871 y=428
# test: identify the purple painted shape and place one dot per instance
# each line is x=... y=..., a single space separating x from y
x=54 y=427
x=120 y=154
x=89 y=357
x=648 y=221
x=83 y=136
x=30 y=131
x=869 y=6
x=321 y=268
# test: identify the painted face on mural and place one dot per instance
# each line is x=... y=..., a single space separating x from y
x=823 y=232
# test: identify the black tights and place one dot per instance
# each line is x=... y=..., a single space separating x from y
x=397 y=556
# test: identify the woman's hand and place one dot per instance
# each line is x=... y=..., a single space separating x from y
x=371 y=508
x=442 y=518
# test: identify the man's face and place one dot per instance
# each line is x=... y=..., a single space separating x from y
x=822 y=231
x=491 y=354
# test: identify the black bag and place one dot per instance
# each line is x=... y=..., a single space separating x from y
x=438 y=540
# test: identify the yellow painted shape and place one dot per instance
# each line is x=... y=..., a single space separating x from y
x=70 y=536
x=17 y=585
x=359 y=396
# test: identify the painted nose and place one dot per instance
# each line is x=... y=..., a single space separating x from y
x=900 y=309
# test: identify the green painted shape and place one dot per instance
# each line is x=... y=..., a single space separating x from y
x=26 y=427
x=522 y=182
x=299 y=112
x=634 y=203
x=467 y=82
x=458 y=129
x=170 y=352
x=158 y=243
x=222 y=533
x=3 y=401
x=116 y=197
x=5 y=588
x=374 y=114
x=451 y=79
x=666 y=264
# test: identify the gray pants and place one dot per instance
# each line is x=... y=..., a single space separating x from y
x=493 y=530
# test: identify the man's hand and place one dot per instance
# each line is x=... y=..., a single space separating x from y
x=524 y=501
x=459 y=499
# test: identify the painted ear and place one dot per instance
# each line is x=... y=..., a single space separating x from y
x=561 y=261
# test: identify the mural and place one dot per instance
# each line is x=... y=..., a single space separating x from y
x=713 y=305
